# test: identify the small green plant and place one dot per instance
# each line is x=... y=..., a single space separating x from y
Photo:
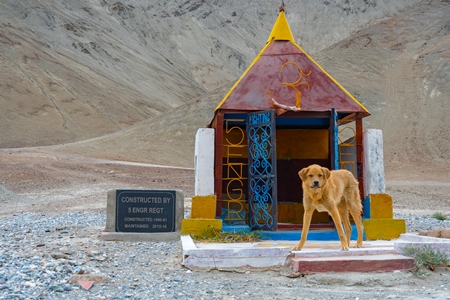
x=425 y=257
x=218 y=236
x=439 y=216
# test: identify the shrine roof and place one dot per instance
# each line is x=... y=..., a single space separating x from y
x=284 y=77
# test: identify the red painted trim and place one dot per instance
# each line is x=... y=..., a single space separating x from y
x=218 y=153
x=360 y=156
x=360 y=263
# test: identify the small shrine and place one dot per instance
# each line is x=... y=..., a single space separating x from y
x=283 y=114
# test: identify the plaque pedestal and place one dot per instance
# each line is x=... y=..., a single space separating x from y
x=140 y=237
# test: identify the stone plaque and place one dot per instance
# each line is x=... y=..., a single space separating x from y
x=145 y=211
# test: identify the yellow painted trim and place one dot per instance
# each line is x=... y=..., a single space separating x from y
x=384 y=229
x=292 y=212
x=281 y=30
x=381 y=206
x=203 y=207
x=243 y=75
x=197 y=226
x=332 y=79
x=291 y=144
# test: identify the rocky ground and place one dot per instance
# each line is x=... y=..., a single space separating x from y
x=53 y=211
x=39 y=254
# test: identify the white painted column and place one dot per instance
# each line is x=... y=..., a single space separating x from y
x=374 y=181
x=204 y=162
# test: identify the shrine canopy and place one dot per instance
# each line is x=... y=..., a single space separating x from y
x=284 y=77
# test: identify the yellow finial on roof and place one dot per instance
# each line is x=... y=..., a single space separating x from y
x=281 y=30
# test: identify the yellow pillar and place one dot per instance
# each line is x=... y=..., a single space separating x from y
x=381 y=225
x=203 y=213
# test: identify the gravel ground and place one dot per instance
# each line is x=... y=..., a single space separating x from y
x=418 y=223
x=39 y=253
x=46 y=236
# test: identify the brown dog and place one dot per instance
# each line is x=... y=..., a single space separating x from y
x=335 y=192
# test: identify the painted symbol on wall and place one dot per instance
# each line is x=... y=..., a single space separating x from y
x=297 y=83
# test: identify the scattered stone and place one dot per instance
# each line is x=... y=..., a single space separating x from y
x=445 y=233
x=85 y=284
x=96 y=278
x=57 y=288
x=59 y=255
x=438 y=233
x=66 y=250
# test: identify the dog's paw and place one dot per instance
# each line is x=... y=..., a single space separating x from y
x=344 y=248
x=296 y=248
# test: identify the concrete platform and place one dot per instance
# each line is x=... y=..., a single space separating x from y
x=316 y=256
x=414 y=240
x=233 y=256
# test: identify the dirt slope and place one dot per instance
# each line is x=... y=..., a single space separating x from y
x=400 y=69
x=167 y=139
x=147 y=75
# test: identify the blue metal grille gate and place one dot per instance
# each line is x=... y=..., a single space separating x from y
x=262 y=164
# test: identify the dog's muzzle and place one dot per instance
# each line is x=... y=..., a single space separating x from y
x=315 y=184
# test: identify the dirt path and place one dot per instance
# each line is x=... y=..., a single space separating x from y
x=48 y=182
x=52 y=182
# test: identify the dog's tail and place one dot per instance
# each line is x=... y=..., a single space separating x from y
x=357 y=204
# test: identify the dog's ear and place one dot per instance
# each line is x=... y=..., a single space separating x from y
x=302 y=174
x=326 y=173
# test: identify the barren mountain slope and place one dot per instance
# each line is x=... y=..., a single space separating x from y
x=399 y=68
x=73 y=70
x=166 y=140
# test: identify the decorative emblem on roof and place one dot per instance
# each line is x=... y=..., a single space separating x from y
x=297 y=83
x=280 y=108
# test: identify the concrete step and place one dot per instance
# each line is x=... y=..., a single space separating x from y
x=316 y=256
x=374 y=256
x=352 y=263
